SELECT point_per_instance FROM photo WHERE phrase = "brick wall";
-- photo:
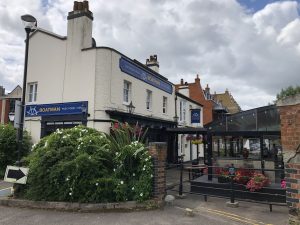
(290, 126)
(158, 151)
(196, 94)
(290, 138)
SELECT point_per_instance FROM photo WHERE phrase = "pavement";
(5, 189)
(212, 212)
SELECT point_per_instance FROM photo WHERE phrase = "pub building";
(71, 81)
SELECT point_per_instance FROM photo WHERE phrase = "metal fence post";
(181, 177)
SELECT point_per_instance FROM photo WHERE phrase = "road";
(171, 215)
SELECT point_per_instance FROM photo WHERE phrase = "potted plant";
(223, 175)
(242, 176)
(257, 182)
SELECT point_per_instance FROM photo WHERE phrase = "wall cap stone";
(290, 100)
(83, 207)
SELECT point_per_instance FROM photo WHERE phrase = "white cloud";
(253, 55)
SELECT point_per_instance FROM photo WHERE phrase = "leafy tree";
(9, 146)
(289, 91)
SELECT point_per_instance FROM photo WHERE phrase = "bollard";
(181, 171)
(232, 191)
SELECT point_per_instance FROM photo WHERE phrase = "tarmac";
(212, 211)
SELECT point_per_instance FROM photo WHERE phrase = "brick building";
(7, 103)
(211, 108)
(228, 101)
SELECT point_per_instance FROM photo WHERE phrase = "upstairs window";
(149, 100)
(32, 92)
(165, 104)
(182, 111)
(127, 92)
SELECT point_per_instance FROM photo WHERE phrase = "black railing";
(230, 183)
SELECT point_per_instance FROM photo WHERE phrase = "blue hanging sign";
(130, 68)
(56, 109)
(195, 116)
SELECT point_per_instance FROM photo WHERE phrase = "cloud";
(253, 55)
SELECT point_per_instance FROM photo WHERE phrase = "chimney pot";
(75, 6)
(80, 6)
(181, 81)
(86, 5)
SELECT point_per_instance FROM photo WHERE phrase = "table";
(194, 168)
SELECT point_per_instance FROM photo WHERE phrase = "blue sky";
(255, 5)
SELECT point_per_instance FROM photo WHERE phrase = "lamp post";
(30, 24)
(130, 109)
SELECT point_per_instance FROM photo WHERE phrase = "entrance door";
(50, 124)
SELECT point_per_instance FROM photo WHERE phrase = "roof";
(187, 98)
(48, 33)
(228, 101)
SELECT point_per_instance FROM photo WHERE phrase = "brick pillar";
(290, 138)
(158, 151)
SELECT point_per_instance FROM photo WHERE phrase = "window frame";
(128, 92)
(32, 92)
(165, 105)
(148, 100)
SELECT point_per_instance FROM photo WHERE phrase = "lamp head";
(29, 22)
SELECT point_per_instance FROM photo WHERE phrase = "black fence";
(264, 186)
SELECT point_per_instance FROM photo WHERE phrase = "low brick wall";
(82, 207)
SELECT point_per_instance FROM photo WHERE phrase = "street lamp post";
(30, 25)
(130, 109)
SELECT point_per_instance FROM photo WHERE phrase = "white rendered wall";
(46, 66)
(109, 90)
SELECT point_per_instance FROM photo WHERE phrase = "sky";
(250, 47)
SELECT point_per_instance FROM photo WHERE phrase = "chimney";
(152, 63)
(207, 89)
(197, 80)
(80, 24)
(2, 91)
(181, 81)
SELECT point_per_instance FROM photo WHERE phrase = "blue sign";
(130, 68)
(195, 115)
(56, 109)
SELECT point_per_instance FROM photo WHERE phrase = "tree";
(289, 91)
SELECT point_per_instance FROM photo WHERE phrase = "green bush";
(289, 91)
(80, 165)
(9, 146)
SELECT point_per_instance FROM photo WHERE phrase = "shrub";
(83, 165)
(9, 146)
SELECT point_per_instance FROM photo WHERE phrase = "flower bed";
(254, 181)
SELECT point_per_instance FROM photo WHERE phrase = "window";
(127, 92)
(165, 104)
(149, 100)
(32, 92)
(182, 111)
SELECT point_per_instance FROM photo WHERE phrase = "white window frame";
(148, 100)
(165, 105)
(182, 111)
(32, 92)
(127, 92)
